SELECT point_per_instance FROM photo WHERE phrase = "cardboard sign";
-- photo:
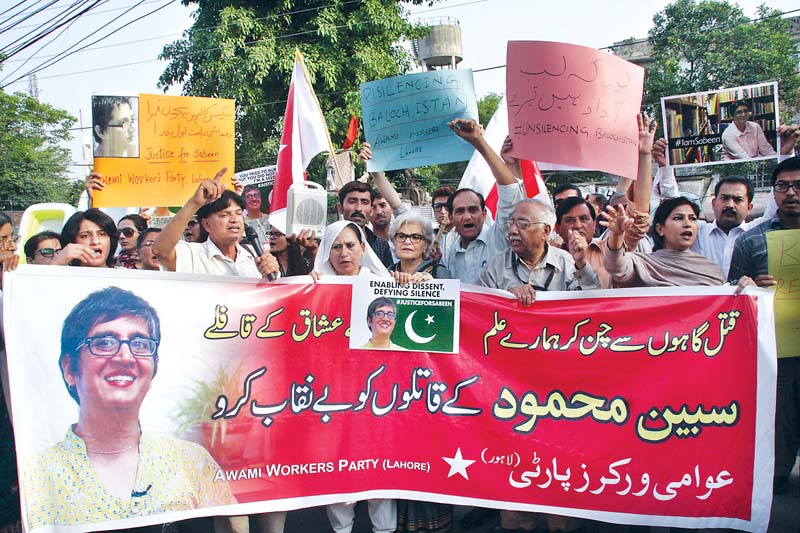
(783, 255)
(179, 141)
(405, 118)
(573, 105)
(263, 177)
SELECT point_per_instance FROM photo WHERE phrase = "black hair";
(100, 307)
(662, 213)
(380, 301)
(751, 192)
(733, 106)
(216, 206)
(145, 233)
(5, 219)
(354, 186)
(139, 222)
(69, 232)
(33, 243)
(102, 109)
(787, 165)
(452, 198)
(566, 187)
(444, 190)
(568, 203)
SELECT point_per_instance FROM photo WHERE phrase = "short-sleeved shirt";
(60, 486)
(750, 251)
(207, 258)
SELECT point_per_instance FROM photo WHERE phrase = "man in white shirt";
(479, 242)
(221, 216)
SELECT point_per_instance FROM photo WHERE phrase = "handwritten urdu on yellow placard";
(783, 249)
(182, 141)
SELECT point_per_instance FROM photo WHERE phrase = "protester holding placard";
(106, 468)
(355, 205)
(751, 259)
(478, 242)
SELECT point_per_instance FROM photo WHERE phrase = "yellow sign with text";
(783, 253)
(174, 143)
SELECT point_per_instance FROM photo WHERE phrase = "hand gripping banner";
(142, 398)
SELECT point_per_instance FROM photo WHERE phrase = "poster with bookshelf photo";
(722, 126)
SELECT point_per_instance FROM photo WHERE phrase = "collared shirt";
(467, 263)
(555, 272)
(207, 258)
(745, 144)
(716, 245)
(750, 251)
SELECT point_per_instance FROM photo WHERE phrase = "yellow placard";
(783, 249)
(182, 140)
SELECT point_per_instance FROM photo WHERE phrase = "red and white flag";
(305, 135)
(478, 176)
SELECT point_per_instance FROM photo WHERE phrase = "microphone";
(141, 493)
(252, 238)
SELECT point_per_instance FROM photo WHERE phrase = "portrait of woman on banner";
(105, 468)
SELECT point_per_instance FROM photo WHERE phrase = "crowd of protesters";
(577, 243)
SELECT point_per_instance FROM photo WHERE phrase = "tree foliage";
(711, 44)
(33, 167)
(244, 49)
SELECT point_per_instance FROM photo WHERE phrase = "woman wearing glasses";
(129, 228)
(413, 241)
(105, 468)
(381, 319)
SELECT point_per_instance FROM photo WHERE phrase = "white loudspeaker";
(306, 208)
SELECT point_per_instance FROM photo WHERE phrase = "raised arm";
(381, 182)
(472, 132)
(643, 186)
(164, 245)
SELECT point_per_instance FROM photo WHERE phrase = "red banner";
(615, 405)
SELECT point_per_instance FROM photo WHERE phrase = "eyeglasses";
(128, 232)
(413, 237)
(522, 223)
(192, 223)
(783, 186)
(439, 205)
(391, 315)
(108, 346)
(47, 252)
(145, 244)
(252, 195)
(127, 123)
(275, 234)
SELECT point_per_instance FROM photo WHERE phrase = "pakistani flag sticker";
(419, 318)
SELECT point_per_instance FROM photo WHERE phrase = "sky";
(127, 60)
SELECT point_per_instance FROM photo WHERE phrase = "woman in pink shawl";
(672, 262)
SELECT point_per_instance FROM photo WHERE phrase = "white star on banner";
(458, 465)
(429, 319)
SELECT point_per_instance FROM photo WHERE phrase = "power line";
(64, 55)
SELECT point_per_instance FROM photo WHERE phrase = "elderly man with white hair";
(531, 264)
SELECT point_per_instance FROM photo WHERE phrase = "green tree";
(711, 44)
(33, 165)
(244, 49)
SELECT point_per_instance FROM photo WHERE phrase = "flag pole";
(299, 57)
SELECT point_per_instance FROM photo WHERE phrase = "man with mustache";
(750, 258)
(355, 205)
